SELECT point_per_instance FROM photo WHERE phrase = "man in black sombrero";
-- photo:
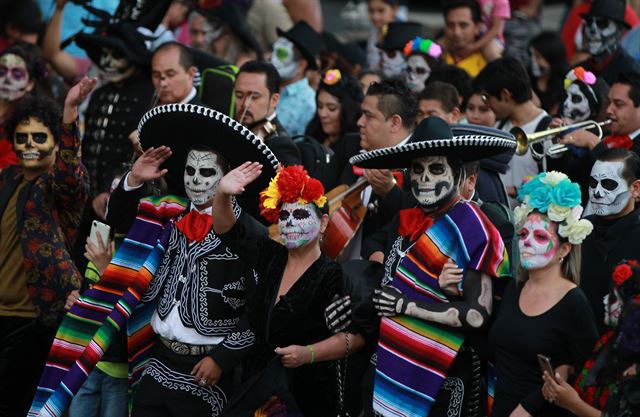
(294, 53)
(424, 354)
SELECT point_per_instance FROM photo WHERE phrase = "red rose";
(621, 274)
(633, 262)
(313, 190)
(270, 215)
(290, 183)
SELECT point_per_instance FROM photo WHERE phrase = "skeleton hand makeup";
(114, 66)
(283, 58)
(612, 307)
(601, 35)
(389, 301)
(538, 242)
(34, 144)
(337, 315)
(393, 67)
(299, 224)
(576, 105)
(608, 191)
(14, 77)
(432, 180)
(417, 72)
(202, 173)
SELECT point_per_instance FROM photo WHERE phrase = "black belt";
(185, 349)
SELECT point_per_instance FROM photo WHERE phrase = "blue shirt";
(297, 106)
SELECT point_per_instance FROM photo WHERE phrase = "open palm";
(234, 182)
(147, 167)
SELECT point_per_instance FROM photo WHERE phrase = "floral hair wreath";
(579, 74)
(426, 46)
(290, 185)
(332, 77)
(554, 194)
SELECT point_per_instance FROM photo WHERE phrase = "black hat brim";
(306, 53)
(182, 126)
(93, 45)
(465, 148)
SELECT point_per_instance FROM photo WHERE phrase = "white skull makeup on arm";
(14, 77)
(392, 66)
(576, 105)
(601, 35)
(433, 180)
(299, 224)
(608, 191)
(34, 144)
(284, 58)
(114, 66)
(417, 72)
(612, 307)
(202, 173)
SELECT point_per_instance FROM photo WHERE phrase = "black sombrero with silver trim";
(433, 137)
(182, 126)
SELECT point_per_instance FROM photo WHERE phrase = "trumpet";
(524, 140)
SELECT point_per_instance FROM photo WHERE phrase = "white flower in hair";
(558, 213)
(575, 230)
(521, 212)
(553, 178)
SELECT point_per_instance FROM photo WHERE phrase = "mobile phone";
(104, 230)
(545, 365)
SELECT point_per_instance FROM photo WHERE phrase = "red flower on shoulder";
(621, 273)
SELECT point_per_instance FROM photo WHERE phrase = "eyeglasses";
(17, 73)
(38, 137)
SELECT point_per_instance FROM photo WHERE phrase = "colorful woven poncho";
(112, 304)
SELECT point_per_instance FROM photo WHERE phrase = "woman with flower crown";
(544, 307)
(294, 349)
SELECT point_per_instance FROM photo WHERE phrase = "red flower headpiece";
(290, 185)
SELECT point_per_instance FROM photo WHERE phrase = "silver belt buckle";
(180, 348)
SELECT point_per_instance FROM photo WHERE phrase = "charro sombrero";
(432, 137)
(182, 126)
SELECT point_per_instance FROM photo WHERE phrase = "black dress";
(296, 319)
(565, 333)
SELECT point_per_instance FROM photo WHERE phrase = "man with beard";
(602, 30)
(41, 202)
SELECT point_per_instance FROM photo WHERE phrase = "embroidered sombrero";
(432, 137)
(181, 126)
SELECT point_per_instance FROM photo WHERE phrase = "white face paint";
(114, 67)
(283, 58)
(537, 241)
(432, 180)
(202, 173)
(576, 106)
(612, 308)
(608, 191)
(417, 73)
(393, 67)
(299, 224)
(14, 77)
(600, 35)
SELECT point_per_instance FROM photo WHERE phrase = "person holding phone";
(544, 306)
(297, 282)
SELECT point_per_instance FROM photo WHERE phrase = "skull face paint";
(417, 72)
(601, 35)
(393, 66)
(34, 144)
(612, 307)
(537, 241)
(114, 66)
(608, 190)
(298, 224)
(202, 173)
(576, 105)
(283, 58)
(14, 77)
(432, 180)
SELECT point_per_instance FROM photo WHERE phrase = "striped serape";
(106, 308)
(413, 356)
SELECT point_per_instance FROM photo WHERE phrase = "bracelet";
(310, 349)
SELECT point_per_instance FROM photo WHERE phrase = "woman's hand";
(450, 277)
(206, 372)
(557, 391)
(234, 182)
(520, 412)
(294, 356)
(99, 255)
(630, 371)
(71, 298)
(76, 95)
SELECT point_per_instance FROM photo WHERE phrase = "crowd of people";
(217, 208)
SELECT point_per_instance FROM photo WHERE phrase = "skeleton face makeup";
(202, 173)
(608, 191)
(538, 242)
(14, 77)
(601, 35)
(393, 66)
(417, 73)
(283, 58)
(612, 308)
(114, 66)
(576, 106)
(299, 224)
(34, 144)
(432, 180)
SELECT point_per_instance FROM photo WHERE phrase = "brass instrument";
(524, 140)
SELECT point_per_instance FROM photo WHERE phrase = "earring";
(561, 259)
